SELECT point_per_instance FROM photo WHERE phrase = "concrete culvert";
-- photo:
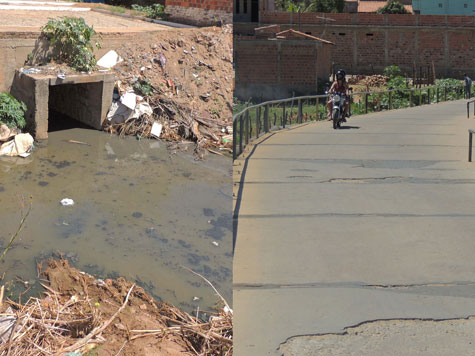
(79, 100)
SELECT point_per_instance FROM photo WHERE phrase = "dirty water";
(141, 212)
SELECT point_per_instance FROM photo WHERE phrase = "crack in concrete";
(347, 329)
(244, 286)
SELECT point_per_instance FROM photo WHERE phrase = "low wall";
(200, 12)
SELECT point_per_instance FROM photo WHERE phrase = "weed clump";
(72, 39)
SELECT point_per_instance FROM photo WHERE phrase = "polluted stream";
(140, 211)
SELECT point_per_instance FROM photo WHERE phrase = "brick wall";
(200, 12)
(366, 43)
(269, 69)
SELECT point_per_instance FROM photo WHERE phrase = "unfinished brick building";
(366, 43)
(200, 12)
(286, 64)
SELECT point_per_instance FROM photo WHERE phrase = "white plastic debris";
(21, 144)
(109, 60)
(67, 202)
(215, 243)
(129, 100)
(6, 133)
(119, 113)
(156, 129)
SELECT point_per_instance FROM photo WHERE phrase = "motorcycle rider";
(340, 86)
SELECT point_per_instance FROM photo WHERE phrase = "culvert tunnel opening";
(76, 105)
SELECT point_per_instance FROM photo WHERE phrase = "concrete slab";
(338, 228)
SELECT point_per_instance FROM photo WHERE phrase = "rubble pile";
(176, 85)
(368, 81)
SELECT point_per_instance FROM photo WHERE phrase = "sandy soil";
(33, 20)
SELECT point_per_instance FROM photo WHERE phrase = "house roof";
(373, 6)
(287, 34)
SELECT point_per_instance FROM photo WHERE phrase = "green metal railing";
(256, 120)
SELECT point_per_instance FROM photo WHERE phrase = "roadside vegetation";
(403, 95)
(333, 6)
(73, 43)
(12, 111)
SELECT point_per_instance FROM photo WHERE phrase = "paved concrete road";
(339, 228)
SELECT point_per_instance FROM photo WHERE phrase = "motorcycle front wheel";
(335, 116)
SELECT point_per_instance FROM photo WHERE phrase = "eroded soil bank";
(84, 315)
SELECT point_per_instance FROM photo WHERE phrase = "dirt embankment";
(81, 314)
(191, 76)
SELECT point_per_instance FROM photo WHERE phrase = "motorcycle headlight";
(336, 98)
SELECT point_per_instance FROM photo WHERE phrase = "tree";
(326, 6)
(393, 7)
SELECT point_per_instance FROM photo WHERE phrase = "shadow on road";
(349, 127)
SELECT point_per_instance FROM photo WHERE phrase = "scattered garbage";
(30, 70)
(190, 97)
(215, 243)
(7, 322)
(21, 145)
(67, 202)
(62, 74)
(129, 100)
(109, 60)
(156, 129)
(6, 132)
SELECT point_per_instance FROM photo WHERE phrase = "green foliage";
(12, 111)
(396, 82)
(392, 71)
(447, 82)
(393, 7)
(154, 11)
(144, 87)
(326, 6)
(72, 39)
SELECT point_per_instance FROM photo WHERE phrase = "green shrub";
(392, 71)
(72, 39)
(144, 87)
(448, 82)
(12, 111)
(154, 11)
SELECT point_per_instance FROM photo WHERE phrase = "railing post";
(241, 128)
(410, 98)
(468, 110)
(437, 94)
(234, 139)
(470, 146)
(445, 93)
(258, 121)
(366, 103)
(390, 100)
(246, 124)
(420, 97)
(428, 96)
(266, 118)
(283, 116)
(299, 114)
(316, 109)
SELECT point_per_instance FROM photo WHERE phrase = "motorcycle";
(338, 109)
